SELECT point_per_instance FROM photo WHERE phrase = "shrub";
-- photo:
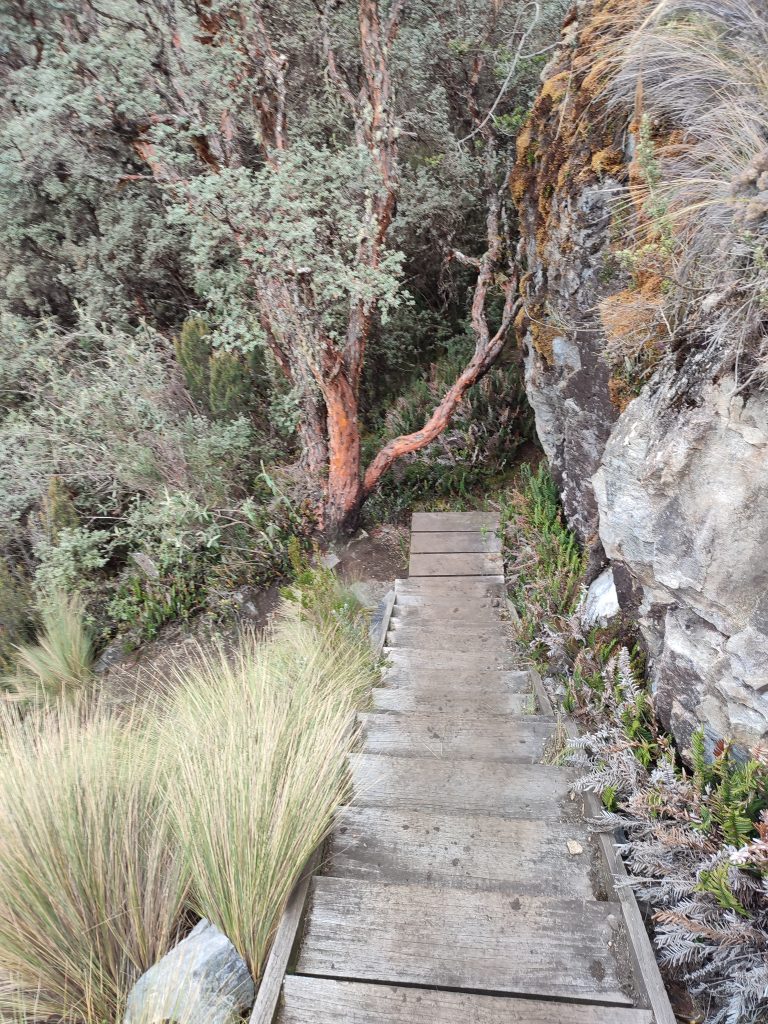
(59, 664)
(105, 465)
(91, 891)
(222, 383)
(544, 562)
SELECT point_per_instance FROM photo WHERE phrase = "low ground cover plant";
(120, 826)
(695, 831)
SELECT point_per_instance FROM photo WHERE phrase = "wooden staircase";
(462, 885)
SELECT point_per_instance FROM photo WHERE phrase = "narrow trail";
(462, 886)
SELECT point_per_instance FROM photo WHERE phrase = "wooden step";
(436, 543)
(433, 657)
(445, 587)
(493, 701)
(490, 626)
(444, 734)
(440, 522)
(329, 1001)
(462, 851)
(456, 641)
(448, 615)
(531, 791)
(458, 680)
(478, 564)
(451, 938)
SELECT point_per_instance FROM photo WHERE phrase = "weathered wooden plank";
(446, 615)
(494, 701)
(441, 522)
(482, 941)
(380, 622)
(477, 564)
(328, 1001)
(643, 958)
(424, 657)
(445, 734)
(462, 851)
(431, 543)
(515, 790)
(459, 680)
(442, 587)
(450, 641)
(490, 626)
(282, 945)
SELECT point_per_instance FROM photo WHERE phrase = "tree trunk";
(312, 431)
(345, 492)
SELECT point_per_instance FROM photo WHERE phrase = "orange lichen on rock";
(608, 161)
(556, 88)
(620, 392)
(542, 338)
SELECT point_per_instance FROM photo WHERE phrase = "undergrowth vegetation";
(696, 831)
(477, 449)
(115, 486)
(119, 826)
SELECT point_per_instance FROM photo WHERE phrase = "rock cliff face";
(668, 479)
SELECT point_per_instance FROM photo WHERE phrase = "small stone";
(203, 980)
(574, 848)
(329, 560)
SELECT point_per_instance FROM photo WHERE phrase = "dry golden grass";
(91, 893)
(118, 827)
(258, 756)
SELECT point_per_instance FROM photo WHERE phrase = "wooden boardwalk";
(462, 886)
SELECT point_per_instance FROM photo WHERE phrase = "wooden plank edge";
(540, 692)
(380, 624)
(282, 946)
(644, 960)
(279, 957)
(646, 968)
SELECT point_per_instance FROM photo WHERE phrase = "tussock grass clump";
(258, 749)
(695, 75)
(60, 663)
(119, 827)
(91, 893)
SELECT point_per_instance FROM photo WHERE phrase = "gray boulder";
(683, 499)
(203, 980)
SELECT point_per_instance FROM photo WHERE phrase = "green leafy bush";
(225, 384)
(113, 486)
